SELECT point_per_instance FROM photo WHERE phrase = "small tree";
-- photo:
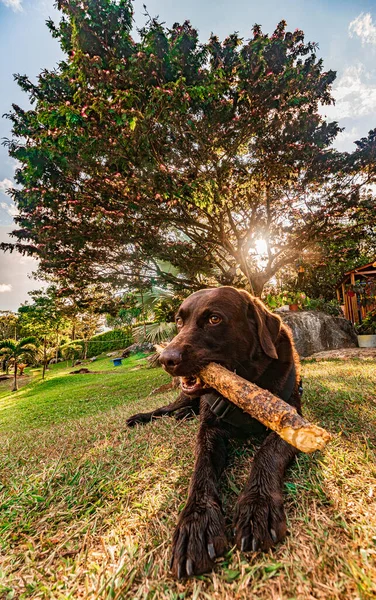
(45, 320)
(71, 352)
(86, 327)
(9, 327)
(21, 351)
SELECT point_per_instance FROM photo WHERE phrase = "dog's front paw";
(184, 414)
(259, 522)
(139, 418)
(198, 539)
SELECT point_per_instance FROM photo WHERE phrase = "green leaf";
(231, 575)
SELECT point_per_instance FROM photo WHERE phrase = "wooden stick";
(266, 408)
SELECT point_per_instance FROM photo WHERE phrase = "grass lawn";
(88, 507)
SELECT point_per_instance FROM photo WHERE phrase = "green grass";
(88, 507)
(61, 397)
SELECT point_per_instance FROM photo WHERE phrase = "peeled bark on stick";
(266, 408)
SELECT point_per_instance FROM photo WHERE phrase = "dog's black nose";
(171, 357)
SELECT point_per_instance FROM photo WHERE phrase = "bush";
(115, 339)
(274, 301)
(330, 307)
(368, 325)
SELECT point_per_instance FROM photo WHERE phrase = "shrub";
(274, 301)
(115, 339)
(368, 325)
(330, 307)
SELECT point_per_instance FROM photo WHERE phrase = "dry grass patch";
(88, 507)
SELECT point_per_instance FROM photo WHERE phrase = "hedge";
(115, 339)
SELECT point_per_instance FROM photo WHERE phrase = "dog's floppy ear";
(268, 325)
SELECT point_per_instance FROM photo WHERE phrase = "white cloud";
(354, 93)
(345, 139)
(5, 184)
(9, 208)
(5, 287)
(15, 5)
(364, 28)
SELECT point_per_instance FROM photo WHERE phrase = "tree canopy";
(139, 154)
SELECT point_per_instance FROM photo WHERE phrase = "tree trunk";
(143, 313)
(15, 386)
(44, 358)
(258, 285)
(57, 346)
(86, 344)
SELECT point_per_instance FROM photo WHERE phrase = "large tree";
(168, 149)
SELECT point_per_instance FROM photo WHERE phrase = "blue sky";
(344, 29)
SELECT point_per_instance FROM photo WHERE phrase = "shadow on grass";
(351, 413)
(133, 484)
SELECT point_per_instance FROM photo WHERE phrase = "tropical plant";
(155, 332)
(274, 300)
(368, 325)
(18, 351)
(166, 309)
(330, 307)
(295, 297)
(283, 298)
(71, 351)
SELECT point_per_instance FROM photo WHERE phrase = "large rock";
(315, 331)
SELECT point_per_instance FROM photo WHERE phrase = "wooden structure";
(357, 292)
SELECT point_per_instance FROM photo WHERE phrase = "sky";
(344, 29)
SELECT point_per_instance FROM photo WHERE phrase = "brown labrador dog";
(232, 328)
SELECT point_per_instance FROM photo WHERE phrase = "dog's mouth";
(192, 384)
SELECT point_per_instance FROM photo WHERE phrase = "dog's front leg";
(260, 520)
(200, 533)
(184, 407)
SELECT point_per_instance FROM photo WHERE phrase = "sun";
(261, 247)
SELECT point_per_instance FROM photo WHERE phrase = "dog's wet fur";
(232, 328)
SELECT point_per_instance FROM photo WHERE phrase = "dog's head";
(221, 325)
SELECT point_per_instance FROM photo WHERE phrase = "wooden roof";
(360, 269)
(368, 269)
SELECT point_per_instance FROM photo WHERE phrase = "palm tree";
(18, 352)
(155, 332)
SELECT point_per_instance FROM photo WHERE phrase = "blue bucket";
(117, 362)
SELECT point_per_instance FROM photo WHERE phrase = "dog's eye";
(215, 319)
(179, 322)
